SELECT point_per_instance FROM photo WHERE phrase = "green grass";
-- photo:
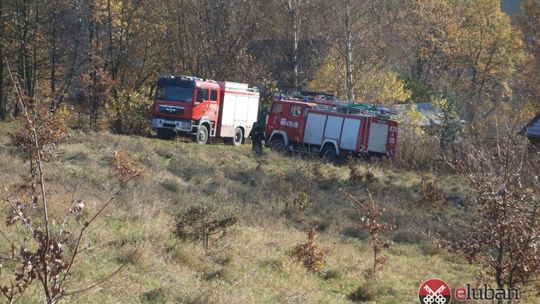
(252, 263)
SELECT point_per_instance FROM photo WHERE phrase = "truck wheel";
(202, 135)
(277, 145)
(329, 154)
(238, 137)
(165, 133)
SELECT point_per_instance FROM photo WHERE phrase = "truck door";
(204, 105)
(274, 117)
(294, 122)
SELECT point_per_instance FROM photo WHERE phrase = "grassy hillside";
(252, 262)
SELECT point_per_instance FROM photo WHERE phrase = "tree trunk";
(23, 20)
(296, 17)
(53, 56)
(2, 105)
(296, 29)
(33, 73)
(346, 9)
(109, 30)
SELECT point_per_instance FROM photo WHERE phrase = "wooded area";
(88, 53)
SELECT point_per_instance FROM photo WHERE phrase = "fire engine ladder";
(359, 109)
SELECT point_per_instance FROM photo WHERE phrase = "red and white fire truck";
(329, 129)
(203, 109)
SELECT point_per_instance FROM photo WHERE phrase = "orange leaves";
(310, 254)
(125, 167)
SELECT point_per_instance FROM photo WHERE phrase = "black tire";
(166, 134)
(238, 138)
(329, 153)
(278, 145)
(202, 135)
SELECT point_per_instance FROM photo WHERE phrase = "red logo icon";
(434, 291)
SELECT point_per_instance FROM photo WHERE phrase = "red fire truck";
(203, 109)
(329, 129)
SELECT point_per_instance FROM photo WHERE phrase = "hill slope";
(252, 263)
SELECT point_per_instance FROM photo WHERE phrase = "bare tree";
(42, 253)
(295, 12)
(505, 236)
(346, 16)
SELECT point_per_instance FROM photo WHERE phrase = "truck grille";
(171, 110)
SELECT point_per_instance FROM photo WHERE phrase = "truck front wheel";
(277, 145)
(238, 137)
(202, 135)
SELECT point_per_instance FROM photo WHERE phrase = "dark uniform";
(257, 135)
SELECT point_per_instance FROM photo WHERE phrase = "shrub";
(309, 254)
(202, 221)
(370, 220)
(356, 174)
(171, 185)
(364, 293)
(332, 274)
(128, 113)
(431, 191)
(300, 203)
(156, 295)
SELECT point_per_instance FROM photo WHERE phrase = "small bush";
(355, 174)
(171, 185)
(300, 203)
(429, 248)
(432, 193)
(370, 177)
(211, 274)
(364, 293)
(202, 221)
(156, 295)
(358, 175)
(331, 274)
(309, 254)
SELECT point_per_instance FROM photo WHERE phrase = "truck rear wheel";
(329, 153)
(238, 137)
(202, 135)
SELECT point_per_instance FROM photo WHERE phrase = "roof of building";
(532, 129)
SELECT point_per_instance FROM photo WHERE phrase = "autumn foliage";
(309, 253)
(43, 253)
(504, 237)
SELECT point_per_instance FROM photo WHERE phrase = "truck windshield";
(175, 90)
(174, 93)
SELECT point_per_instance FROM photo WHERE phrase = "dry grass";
(252, 262)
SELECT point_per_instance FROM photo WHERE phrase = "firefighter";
(257, 135)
